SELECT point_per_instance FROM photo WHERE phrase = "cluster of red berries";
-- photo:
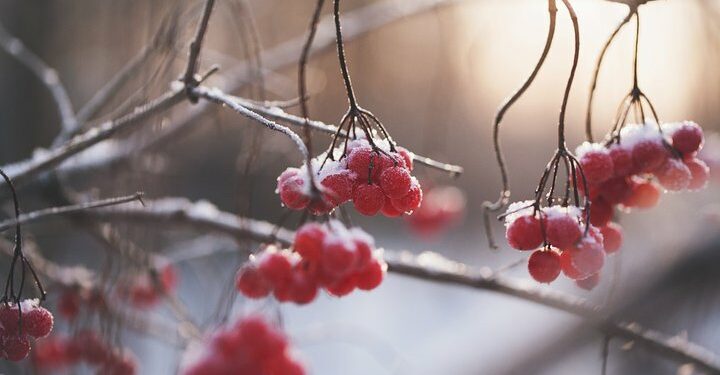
(375, 180)
(145, 290)
(441, 206)
(328, 256)
(250, 346)
(60, 352)
(20, 326)
(562, 242)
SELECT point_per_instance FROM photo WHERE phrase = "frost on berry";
(544, 266)
(410, 201)
(250, 282)
(395, 182)
(616, 190)
(590, 282)
(368, 199)
(37, 322)
(642, 195)
(562, 228)
(648, 155)
(524, 233)
(687, 137)
(568, 269)
(309, 241)
(588, 256)
(16, 347)
(612, 237)
(601, 212)
(700, 173)
(622, 161)
(674, 175)
(338, 187)
(596, 162)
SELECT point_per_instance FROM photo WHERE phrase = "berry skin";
(643, 195)
(339, 187)
(544, 266)
(674, 175)
(343, 287)
(37, 322)
(339, 258)
(360, 160)
(597, 166)
(389, 209)
(590, 282)
(622, 161)
(371, 276)
(612, 237)
(616, 190)
(9, 318)
(648, 155)
(292, 193)
(251, 283)
(687, 138)
(368, 199)
(407, 157)
(562, 231)
(700, 173)
(525, 233)
(16, 347)
(395, 182)
(567, 267)
(411, 201)
(588, 257)
(601, 212)
(303, 288)
(364, 251)
(275, 268)
(309, 241)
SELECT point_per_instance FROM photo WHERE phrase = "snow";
(587, 147)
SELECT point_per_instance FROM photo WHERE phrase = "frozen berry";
(339, 187)
(562, 230)
(343, 286)
(395, 182)
(612, 237)
(411, 201)
(601, 212)
(389, 209)
(588, 257)
(339, 257)
(525, 233)
(648, 155)
(371, 276)
(368, 199)
(674, 175)
(303, 288)
(615, 190)
(590, 282)
(597, 166)
(16, 347)
(37, 322)
(309, 241)
(687, 138)
(275, 267)
(407, 157)
(544, 266)
(700, 173)
(361, 160)
(251, 283)
(568, 268)
(292, 193)
(642, 195)
(622, 161)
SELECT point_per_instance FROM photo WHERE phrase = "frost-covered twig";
(428, 266)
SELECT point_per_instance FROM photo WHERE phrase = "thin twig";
(195, 47)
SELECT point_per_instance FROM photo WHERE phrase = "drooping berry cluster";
(57, 353)
(19, 325)
(250, 346)
(561, 240)
(441, 206)
(145, 290)
(375, 180)
(328, 256)
(630, 171)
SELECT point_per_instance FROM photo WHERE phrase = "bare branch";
(428, 267)
(195, 47)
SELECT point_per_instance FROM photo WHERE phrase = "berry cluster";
(562, 242)
(441, 206)
(59, 352)
(630, 171)
(250, 346)
(144, 291)
(19, 326)
(375, 180)
(328, 256)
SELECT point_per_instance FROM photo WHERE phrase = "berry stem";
(568, 87)
(342, 59)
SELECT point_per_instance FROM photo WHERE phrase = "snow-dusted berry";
(596, 162)
(309, 241)
(544, 266)
(674, 175)
(252, 283)
(339, 187)
(590, 282)
(700, 173)
(525, 233)
(368, 199)
(395, 182)
(687, 138)
(648, 155)
(562, 230)
(37, 322)
(588, 257)
(612, 237)
(622, 161)
(412, 200)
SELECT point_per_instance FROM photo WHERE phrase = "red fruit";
(364, 251)
(9, 318)
(339, 258)
(562, 231)
(588, 257)
(361, 160)
(389, 209)
(16, 347)
(371, 276)
(395, 182)
(251, 283)
(283, 365)
(339, 187)
(69, 304)
(687, 138)
(700, 173)
(303, 288)
(266, 340)
(411, 201)
(287, 174)
(407, 157)
(292, 193)
(320, 206)
(343, 286)
(597, 166)
(643, 195)
(309, 241)
(601, 212)
(567, 267)
(674, 175)
(589, 283)
(525, 233)
(648, 155)
(615, 190)
(622, 161)
(368, 199)
(275, 268)
(612, 237)
(544, 266)
(37, 322)
(50, 354)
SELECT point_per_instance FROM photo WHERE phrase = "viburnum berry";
(612, 237)
(588, 256)
(309, 241)
(412, 200)
(293, 192)
(562, 230)
(371, 276)
(615, 190)
(51, 354)
(343, 287)
(674, 175)
(525, 233)
(544, 266)
(361, 160)
(601, 212)
(368, 199)
(339, 187)
(275, 267)
(622, 161)
(596, 162)
(339, 257)
(687, 138)
(395, 182)
(700, 173)
(389, 209)
(590, 282)
(9, 318)
(252, 283)
(16, 347)
(303, 288)
(407, 157)
(648, 155)
(37, 322)
(568, 269)
(642, 195)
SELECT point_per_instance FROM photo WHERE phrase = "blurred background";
(435, 79)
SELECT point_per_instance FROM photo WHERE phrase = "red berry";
(544, 266)
(700, 173)
(407, 157)
(275, 267)
(687, 138)
(601, 212)
(368, 199)
(562, 230)
(288, 174)
(395, 182)
(9, 318)
(622, 161)
(371, 276)
(283, 365)
(251, 283)
(612, 237)
(50, 354)
(303, 288)
(364, 249)
(69, 304)
(642, 195)
(525, 233)
(389, 209)
(411, 201)
(567, 267)
(615, 190)
(597, 166)
(339, 258)
(37, 322)
(360, 161)
(648, 155)
(309, 241)
(674, 175)
(339, 187)
(292, 193)
(343, 287)
(588, 257)
(16, 347)
(590, 282)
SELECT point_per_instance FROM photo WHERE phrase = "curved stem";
(568, 87)
(637, 46)
(341, 57)
(596, 73)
